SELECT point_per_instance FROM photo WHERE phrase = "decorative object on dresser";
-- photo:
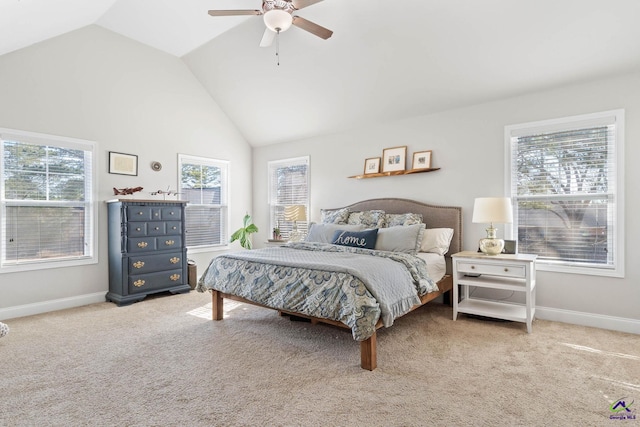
(123, 164)
(394, 159)
(147, 252)
(490, 210)
(295, 213)
(126, 191)
(516, 273)
(421, 160)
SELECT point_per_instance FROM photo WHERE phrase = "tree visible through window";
(47, 200)
(203, 184)
(565, 187)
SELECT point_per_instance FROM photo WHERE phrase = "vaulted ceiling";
(385, 61)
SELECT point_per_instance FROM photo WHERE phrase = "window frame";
(613, 117)
(273, 222)
(89, 204)
(224, 165)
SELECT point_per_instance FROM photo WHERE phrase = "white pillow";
(323, 233)
(436, 240)
(400, 238)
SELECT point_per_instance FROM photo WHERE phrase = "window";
(288, 185)
(46, 200)
(203, 184)
(566, 182)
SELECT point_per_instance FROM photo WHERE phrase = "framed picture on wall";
(421, 160)
(123, 164)
(372, 165)
(394, 159)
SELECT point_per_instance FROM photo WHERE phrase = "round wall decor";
(156, 166)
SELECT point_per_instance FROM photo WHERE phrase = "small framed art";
(421, 160)
(394, 159)
(123, 164)
(372, 165)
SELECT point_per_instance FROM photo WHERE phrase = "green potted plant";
(243, 234)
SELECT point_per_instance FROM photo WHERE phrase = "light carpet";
(163, 362)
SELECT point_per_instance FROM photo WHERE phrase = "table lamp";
(295, 213)
(490, 210)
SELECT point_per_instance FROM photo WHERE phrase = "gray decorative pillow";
(405, 239)
(339, 216)
(323, 233)
(369, 219)
(393, 220)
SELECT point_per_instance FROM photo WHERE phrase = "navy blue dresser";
(147, 252)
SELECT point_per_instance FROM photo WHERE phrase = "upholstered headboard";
(433, 216)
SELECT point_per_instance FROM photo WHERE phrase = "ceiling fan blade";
(234, 12)
(312, 27)
(267, 38)
(299, 4)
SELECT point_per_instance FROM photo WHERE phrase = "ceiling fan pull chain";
(278, 46)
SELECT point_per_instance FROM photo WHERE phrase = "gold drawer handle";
(174, 277)
(140, 213)
(138, 283)
(171, 213)
(156, 214)
(138, 264)
(157, 228)
(138, 229)
(174, 260)
(143, 244)
(174, 228)
(169, 242)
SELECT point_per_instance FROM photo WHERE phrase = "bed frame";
(433, 216)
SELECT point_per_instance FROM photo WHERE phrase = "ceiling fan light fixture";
(278, 20)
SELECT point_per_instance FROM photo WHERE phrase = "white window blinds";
(288, 185)
(203, 184)
(46, 199)
(565, 185)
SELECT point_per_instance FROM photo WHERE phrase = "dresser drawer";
(143, 283)
(169, 242)
(174, 227)
(149, 263)
(497, 269)
(171, 213)
(141, 244)
(139, 213)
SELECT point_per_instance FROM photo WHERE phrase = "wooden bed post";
(368, 356)
(216, 306)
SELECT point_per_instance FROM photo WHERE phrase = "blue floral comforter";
(351, 285)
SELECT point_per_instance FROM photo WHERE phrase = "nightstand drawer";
(493, 269)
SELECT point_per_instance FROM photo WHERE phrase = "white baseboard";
(621, 324)
(53, 305)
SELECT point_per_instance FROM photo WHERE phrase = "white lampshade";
(277, 20)
(295, 213)
(492, 210)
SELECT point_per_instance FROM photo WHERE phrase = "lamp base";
(490, 245)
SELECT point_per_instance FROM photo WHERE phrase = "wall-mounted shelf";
(405, 172)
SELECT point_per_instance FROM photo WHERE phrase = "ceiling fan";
(278, 16)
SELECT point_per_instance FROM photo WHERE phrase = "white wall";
(96, 85)
(468, 146)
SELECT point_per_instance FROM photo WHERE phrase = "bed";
(347, 284)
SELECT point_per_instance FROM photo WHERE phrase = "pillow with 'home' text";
(365, 239)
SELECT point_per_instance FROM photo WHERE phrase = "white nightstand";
(511, 272)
